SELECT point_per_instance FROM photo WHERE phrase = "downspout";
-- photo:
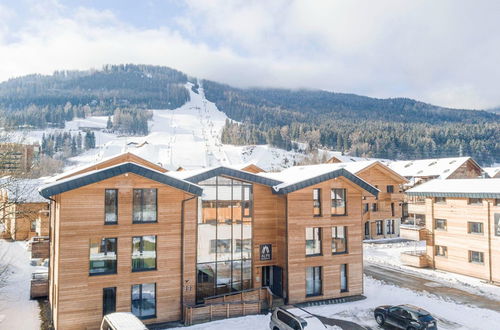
(433, 224)
(489, 241)
(51, 251)
(182, 253)
(286, 250)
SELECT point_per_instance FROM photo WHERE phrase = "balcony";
(412, 232)
(416, 259)
(39, 285)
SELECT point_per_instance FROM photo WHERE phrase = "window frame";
(346, 244)
(445, 224)
(320, 239)
(141, 244)
(469, 229)
(346, 274)
(390, 189)
(441, 248)
(439, 200)
(374, 207)
(116, 257)
(134, 221)
(320, 293)
(103, 300)
(318, 201)
(475, 201)
(390, 227)
(479, 254)
(379, 224)
(132, 299)
(344, 192)
(107, 223)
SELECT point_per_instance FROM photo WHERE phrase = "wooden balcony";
(414, 233)
(39, 285)
(415, 259)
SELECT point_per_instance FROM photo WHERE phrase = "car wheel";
(380, 319)
(276, 328)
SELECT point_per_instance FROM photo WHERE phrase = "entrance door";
(272, 277)
(367, 230)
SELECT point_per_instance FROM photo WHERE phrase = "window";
(440, 224)
(390, 227)
(317, 202)
(393, 211)
(33, 225)
(220, 246)
(343, 278)
(475, 201)
(497, 224)
(390, 189)
(476, 257)
(338, 197)
(144, 300)
(475, 227)
(111, 206)
(497, 201)
(313, 281)
(108, 300)
(380, 229)
(143, 253)
(366, 207)
(441, 251)
(374, 207)
(339, 239)
(313, 241)
(288, 320)
(440, 200)
(145, 203)
(102, 256)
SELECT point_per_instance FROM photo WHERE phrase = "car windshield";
(426, 318)
(304, 324)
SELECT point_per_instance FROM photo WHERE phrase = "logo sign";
(497, 224)
(266, 252)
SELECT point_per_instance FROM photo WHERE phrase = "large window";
(338, 197)
(475, 201)
(145, 205)
(224, 237)
(343, 278)
(390, 226)
(440, 224)
(441, 251)
(476, 257)
(475, 228)
(144, 300)
(380, 229)
(339, 239)
(143, 253)
(111, 206)
(102, 256)
(313, 241)
(313, 281)
(108, 300)
(317, 202)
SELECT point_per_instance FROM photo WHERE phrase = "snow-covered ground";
(449, 314)
(17, 311)
(387, 254)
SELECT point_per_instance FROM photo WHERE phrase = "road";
(414, 282)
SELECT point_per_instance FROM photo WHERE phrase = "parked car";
(406, 317)
(122, 321)
(293, 318)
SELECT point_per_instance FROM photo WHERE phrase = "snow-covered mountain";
(188, 137)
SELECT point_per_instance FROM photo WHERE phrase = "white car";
(292, 318)
(122, 321)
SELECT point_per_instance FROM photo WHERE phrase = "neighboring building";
(462, 226)
(16, 158)
(339, 158)
(23, 212)
(130, 238)
(493, 172)
(422, 170)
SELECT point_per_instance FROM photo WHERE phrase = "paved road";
(414, 282)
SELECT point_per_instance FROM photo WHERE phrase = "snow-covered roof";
(475, 188)
(492, 171)
(22, 190)
(351, 159)
(125, 321)
(440, 168)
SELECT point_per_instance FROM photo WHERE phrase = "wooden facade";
(278, 220)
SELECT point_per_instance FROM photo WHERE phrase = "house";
(493, 172)
(23, 212)
(127, 237)
(17, 158)
(462, 226)
(340, 158)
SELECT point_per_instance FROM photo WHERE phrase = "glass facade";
(102, 256)
(224, 255)
(144, 300)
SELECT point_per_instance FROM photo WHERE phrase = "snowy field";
(17, 311)
(387, 255)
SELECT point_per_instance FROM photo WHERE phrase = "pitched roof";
(475, 188)
(350, 159)
(440, 168)
(493, 172)
(203, 174)
(87, 178)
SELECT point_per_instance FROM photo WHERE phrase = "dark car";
(406, 317)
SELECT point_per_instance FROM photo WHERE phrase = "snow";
(449, 314)
(15, 303)
(459, 186)
(492, 171)
(437, 167)
(388, 255)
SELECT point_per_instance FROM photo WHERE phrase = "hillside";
(359, 125)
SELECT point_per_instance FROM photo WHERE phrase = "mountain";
(397, 128)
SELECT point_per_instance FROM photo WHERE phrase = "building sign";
(266, 252)
(497, 224)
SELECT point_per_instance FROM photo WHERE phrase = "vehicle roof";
(415, 309)
(125, 321)
(313, 322)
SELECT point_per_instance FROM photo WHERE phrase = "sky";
(443, 52)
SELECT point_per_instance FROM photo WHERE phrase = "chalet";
(493, 172)
(23, 212)
(462, 227)
(164, 245)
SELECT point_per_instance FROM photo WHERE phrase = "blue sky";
(444, 52)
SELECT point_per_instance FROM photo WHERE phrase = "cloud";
(442, 52)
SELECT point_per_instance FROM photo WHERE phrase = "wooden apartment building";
(126, 236)
(462, 227)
